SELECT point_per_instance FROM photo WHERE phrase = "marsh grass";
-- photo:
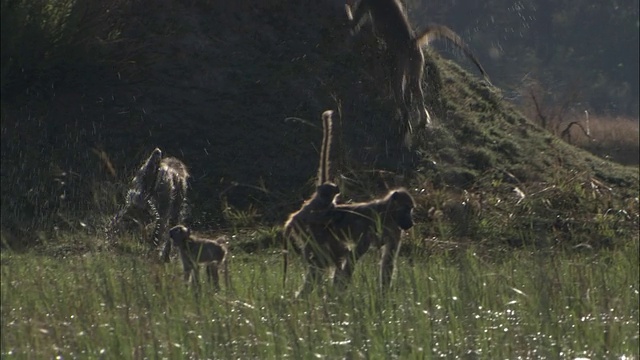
(612, 137)
(616, 138)
(467, 303)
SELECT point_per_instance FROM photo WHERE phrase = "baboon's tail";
(323, 168)
(434, 31)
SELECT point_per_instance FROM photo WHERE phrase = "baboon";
(159, 188)
(194, 251)
(391, 23)
(302, 226)
(378, 222)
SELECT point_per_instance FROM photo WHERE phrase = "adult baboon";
(302, 226)
(160, 188)
(391, 23)
(194, 251)
(378, 222)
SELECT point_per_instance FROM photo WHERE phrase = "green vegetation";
(470, 302)
(524, 245)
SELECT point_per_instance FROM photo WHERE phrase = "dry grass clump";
(616, 138)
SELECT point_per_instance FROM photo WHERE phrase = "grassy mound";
(236, 91)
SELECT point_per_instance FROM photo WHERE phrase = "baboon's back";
(205, 250)
(171, 185)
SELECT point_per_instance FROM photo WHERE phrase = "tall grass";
(469, 303)
(616, 138)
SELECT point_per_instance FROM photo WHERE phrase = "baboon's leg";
(416, 72)
(174, 219)
(187, 267)
(163, 237)
(227, 278)
(387, 262)
(212, 275)
(311, 280)
(400, 81)
(165, 200)
(166, 250)
(344, 271)
(183, 209)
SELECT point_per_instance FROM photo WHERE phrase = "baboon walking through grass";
(305, 226)
(159, 187)
(352, 229)
(194, 251)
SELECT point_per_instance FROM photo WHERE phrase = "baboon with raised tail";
(194, 251)
(159, 187)
(390, 21)
(379, 222)
(305, 227)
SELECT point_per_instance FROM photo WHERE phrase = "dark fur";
(304, 226)
(379, 223)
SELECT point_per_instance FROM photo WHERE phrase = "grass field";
(225, 87)
(469, 303)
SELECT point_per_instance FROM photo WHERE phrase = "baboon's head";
(327, 192)
(401, 206)
(152, 163)
(144, 180)
(179, 234)
(156, 154)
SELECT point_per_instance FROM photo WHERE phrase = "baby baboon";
(304, 224)
(391, 22)
(194, 251)
(160, 188)
(379, 222)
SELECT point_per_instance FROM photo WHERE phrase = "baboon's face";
(402, 205)
(179, 234)
(404, 218)
(156, 154)
(153, 161)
